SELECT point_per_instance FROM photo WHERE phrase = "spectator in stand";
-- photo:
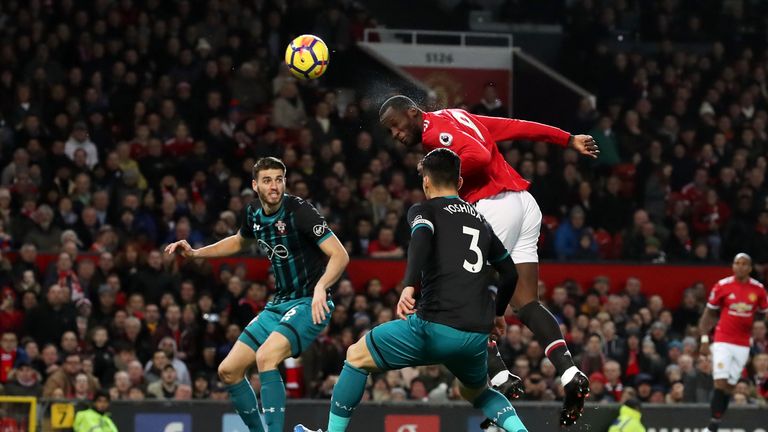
(569, 236)
(24, 380)
(47, 322)
(64, 379)
(490, 104)
(384, 246)
(79, 140)
(166, 387)
(288, 111)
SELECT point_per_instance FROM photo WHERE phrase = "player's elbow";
(341, 256)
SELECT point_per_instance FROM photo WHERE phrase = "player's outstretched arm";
(225, 247)
(337, 262)
(504, 129)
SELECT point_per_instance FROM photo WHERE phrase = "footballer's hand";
(586, 145)
(407, 303)
(320, 308)
(183, 247)
(499, 328)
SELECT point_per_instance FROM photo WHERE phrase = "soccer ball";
(307, 57)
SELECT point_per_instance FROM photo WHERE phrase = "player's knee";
(724, 386)
(228, 374)
(356, 354)
(266, 359)
(470, 394)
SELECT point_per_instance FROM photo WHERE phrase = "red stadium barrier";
(668, 281)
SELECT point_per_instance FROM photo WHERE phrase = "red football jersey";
(473, 137)
(738, 303)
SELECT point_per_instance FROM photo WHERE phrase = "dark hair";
(442, 166)
(266, 163)
(397, 103)
(101, 393)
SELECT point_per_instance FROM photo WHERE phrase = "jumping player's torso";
(456, 129)
(738, 303)
(290, 239)
(454, 287)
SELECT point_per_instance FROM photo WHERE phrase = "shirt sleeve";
(420, 217)
(420, 247)
(504, 129)
(715, 297)
(246, 227)
(311, 223)
(762, 305)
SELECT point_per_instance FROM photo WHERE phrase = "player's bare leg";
(232, 372)
(547, 332)
(719, 403)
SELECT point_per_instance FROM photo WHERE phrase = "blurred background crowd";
(128, 124)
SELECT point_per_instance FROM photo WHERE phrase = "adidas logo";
(732, 296)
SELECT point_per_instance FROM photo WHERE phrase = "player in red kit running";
(501, 196)
(738, 300)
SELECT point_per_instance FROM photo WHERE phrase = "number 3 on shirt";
(477, 265)
(461, 118)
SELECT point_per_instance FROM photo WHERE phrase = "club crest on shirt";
(446, 139)
(319, 229)
(753, 297)
(280, 225)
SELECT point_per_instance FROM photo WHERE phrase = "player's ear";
(460, 183)
(254, 185)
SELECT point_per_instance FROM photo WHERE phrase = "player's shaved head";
(742, 255)
(443, 167)
(403, 118)
(398, 103)
(742, 266)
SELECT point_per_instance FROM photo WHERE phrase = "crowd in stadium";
(126, 125)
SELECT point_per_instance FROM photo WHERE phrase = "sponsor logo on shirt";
(319, 230)
(279, 250)
(446, 139)
(740, 309)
